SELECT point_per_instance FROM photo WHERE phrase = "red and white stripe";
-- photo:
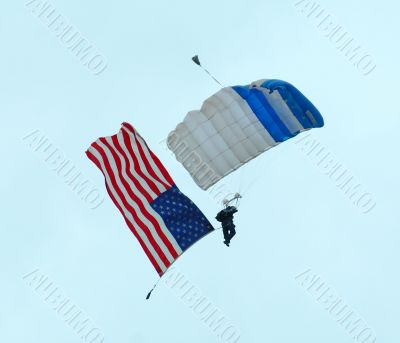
(134, 177)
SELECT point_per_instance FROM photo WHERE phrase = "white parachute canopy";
(236, 125)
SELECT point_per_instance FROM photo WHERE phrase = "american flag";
(164, 221)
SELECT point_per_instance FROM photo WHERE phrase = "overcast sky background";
(292, 217)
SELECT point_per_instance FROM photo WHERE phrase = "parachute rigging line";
(196, 60)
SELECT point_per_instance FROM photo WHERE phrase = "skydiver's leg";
(232, 232)
(225, 230)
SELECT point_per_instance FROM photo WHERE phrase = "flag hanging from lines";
(164, 221)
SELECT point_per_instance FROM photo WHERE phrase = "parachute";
(237, 124)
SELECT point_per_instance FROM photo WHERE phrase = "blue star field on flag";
(182, 217)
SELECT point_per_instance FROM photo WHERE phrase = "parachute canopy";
(237, 124)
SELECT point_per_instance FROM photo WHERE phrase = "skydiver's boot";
(226, 243)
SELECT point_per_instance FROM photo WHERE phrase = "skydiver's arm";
(231, 209)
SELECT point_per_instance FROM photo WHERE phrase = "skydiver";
(226, 218)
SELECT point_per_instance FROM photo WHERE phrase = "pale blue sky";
(291, 219)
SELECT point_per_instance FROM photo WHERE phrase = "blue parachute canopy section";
(279, 127)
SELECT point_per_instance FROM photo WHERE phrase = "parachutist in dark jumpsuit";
(226, 218)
